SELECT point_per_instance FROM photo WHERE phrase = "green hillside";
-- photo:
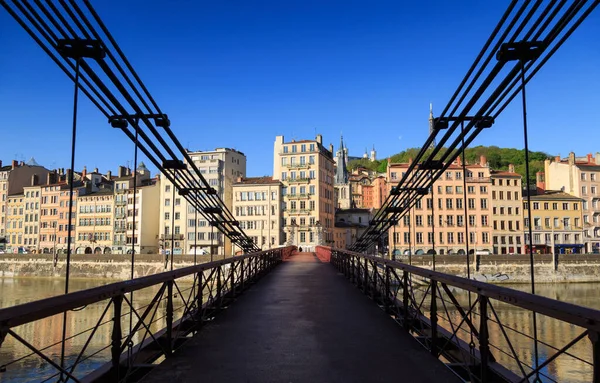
(498, 158)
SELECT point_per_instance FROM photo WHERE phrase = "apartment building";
(145, 220)
(32, 212)
(507, 212)
(178, 227)
(579, 177)
(418, 229)
(94, 228)
(257, 208)
(50, 195)
(13, 178)
(374, 193)
(557, 223)
(15, 222)
(306, 170)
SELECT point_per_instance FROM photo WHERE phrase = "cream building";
(257, 208)
(31, 215)
(94, 227)
(507, 212)
(306, 170)
(580, 177)
(13, 178)
(417, 228)
(557, 223)
(146, 218)
(15, 222)
(178, 227)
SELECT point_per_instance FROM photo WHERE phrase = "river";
(49, 331)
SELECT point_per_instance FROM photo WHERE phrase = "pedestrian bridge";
(285, 316)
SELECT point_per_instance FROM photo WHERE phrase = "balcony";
(296, 211)
(298, 196)
(120, 203)
(120, 215)
(297, 166)
(119, 243)
(478, 179)
(120, 229)
(298, 180)
(171, 237)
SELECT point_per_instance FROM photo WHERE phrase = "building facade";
(445, 228)
(15, 222)
(32, 211)
(142, 227)
(557, 223)
(94, 228)
(306, 168)
(257, 207)
(178, 226)
(507, 212)
(580, 177)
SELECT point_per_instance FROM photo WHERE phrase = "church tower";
(373, 154)
(342, 184)
(431, 124)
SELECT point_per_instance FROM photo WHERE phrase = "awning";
(568, 246)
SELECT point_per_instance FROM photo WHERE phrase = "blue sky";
(237, 73)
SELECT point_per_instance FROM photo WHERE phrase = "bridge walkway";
(304, 322)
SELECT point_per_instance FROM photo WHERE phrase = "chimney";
(108, 175)
(511, 168)
(84, 172)
(239, 179)
(410, 161)
(331, 148)
(597, 162)
(458, 161)
(482, 160)
(121, 172)
(571, 158)
(540, 182)
(590, 159)
(557, 159)
(320, 139)
(34, 179)
(49, 178)
(95, 170)
(15, 164)
(68, 176)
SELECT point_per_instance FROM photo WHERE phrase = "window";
(471, 189)
(483, 190)
(472, 220)
(450, 237)
(584, 190)
(583, 176)
(285, 149)
(419, 220)
(419, 237)
(484, 220)
(167, 202)
(484, 204)
(592, 190)
(471, 203)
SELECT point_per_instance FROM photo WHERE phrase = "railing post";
(232, 279)
(169, 317)
(218, 298)
(387, 298)
(595, 339)
(405, 301)
(116, 334)
(242, 283)
(484, 346)
(366, 278)
(353, 268)
(433, 318)
(199, 297)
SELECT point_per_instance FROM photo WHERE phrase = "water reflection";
(518, 326)
(47, 333)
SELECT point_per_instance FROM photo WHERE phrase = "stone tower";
(342, 185)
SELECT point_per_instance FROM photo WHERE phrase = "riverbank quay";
(498, 269)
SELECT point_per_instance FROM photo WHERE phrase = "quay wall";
(492, 268)
(516, 268)
(109, 266)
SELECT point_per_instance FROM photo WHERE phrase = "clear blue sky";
(237, 73)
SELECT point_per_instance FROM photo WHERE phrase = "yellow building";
(147, 215)
(557, 223)
(580, 177)
(257, 208)
(306, 170)
(31, 215)
(417, 229)
(94, 229)
(15, 205)
(507, 212)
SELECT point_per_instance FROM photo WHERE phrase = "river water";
(48, 332)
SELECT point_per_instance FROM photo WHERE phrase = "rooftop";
(553, 195)
(266, 180)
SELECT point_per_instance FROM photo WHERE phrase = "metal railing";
(474, 336)
(136, 335)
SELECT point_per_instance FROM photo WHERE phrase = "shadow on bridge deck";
(304, 322)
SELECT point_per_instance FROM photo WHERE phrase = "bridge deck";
(302, 323)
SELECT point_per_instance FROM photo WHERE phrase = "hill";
(498, 158)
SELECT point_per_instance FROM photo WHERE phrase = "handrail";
(566, 312)
(31, 311)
